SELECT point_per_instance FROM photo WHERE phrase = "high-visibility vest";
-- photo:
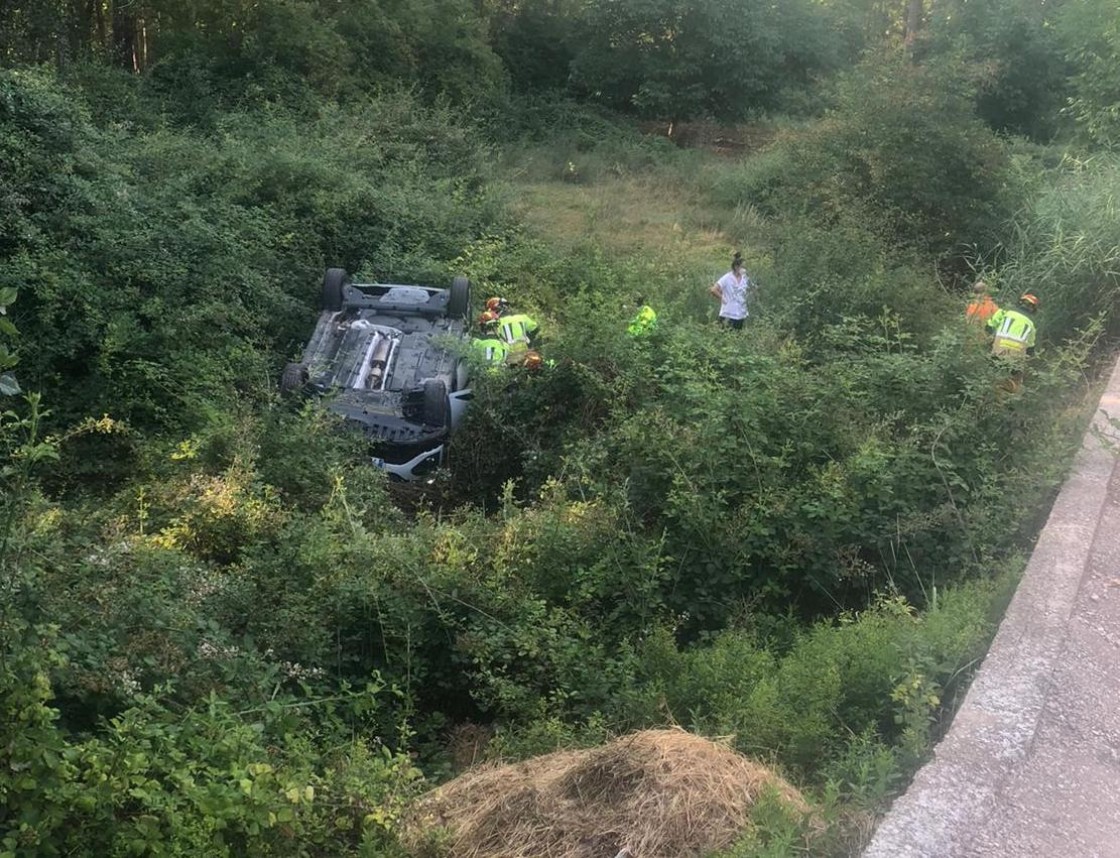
(981, 310)
(644, 322)
(492, 350)
(517, 328)
(1014, 332)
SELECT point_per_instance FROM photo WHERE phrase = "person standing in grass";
(731, 292)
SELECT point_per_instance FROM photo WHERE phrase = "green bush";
(1090, 34)
(800, 707)
(168, 259)
(902, 152)
(1018, 64)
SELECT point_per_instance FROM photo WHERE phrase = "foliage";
(704, 58)
(206, 780)
(200, 56)
(171, 260)
(219, 634)
(805, 706)
(536, 42)
(1065, 247)
(1017, 61)
(902, 153)
(1090, 33)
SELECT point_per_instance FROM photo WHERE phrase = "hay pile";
(659, 794)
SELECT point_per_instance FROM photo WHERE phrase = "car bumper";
(421, 467)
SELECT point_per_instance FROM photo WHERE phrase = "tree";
(720, 58)
(1090, 32)
(536, 41)
(1017, 64)
(914, 10)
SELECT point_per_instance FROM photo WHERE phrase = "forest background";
(223, 633)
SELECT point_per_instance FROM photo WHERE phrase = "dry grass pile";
(658, 793)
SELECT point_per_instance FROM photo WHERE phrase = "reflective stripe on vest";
(1013, 331)
(494, 351)
(518, 327)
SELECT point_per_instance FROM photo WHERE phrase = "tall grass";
(1066, 248)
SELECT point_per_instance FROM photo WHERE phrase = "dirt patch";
(731, 140)
(657, 794)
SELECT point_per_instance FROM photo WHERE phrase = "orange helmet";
(488, 321)
(1029, 301)
(496, 305)
(532, 360)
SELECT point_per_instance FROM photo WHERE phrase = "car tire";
(437, 410)
(334, 285)
(459, 303)
(294, 378)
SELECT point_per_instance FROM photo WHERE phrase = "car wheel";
(334, 283)
(294, 378)
(437, 410)
(459, 304)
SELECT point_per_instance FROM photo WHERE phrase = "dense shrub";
(1090, 34)
(168, 259)
(902, 152)
(210, 779)
(834, 682)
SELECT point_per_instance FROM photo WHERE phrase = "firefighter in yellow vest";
(1013, 331)
(492, 348)
(519, 332)
(1013, 338)
(644, 321)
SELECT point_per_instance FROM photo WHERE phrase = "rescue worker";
(1014, 331)
(981, 308)
(497, 306)
(1014, 338)
(532, 360)
(644, 321)
(491, 347)
(519, 331)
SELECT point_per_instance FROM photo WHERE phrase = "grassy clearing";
(658, 216)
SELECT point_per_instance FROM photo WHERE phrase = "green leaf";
(8, 384)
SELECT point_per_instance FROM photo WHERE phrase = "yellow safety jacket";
(644, 322)
(517, 328)
(1014, 332)
(492, 350)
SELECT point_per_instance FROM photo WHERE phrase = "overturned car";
(391, 359)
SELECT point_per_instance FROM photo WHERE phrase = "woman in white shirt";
(731, 290)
